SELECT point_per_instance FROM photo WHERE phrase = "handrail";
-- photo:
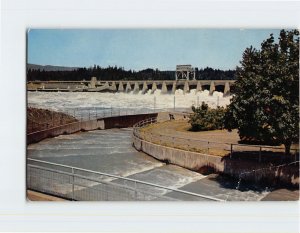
(128, 179)
(144, 123)
(95, 180)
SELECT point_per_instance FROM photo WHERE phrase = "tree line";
(119, 73)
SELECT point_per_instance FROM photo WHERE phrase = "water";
(110, 151)
(114, 102)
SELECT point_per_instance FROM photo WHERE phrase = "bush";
(205, 118)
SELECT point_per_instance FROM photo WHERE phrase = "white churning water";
(76, 100)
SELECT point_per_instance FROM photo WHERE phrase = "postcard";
(162, 115)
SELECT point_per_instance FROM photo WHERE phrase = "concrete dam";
(166, 86)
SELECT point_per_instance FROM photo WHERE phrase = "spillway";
(110, 151)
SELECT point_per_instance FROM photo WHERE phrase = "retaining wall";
(287, 175)
(126, 121)
(65, 129)
(101, 123)
(191, 160)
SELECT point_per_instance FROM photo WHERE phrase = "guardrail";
(80, 184)
(144, 123)
(255, 152)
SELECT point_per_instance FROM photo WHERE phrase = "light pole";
(174, 103)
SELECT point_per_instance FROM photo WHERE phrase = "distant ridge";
(50, 68)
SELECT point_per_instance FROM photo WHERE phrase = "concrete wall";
(126, 121)
(65, 129)
(101, 123)
(288, 175)
(191, 160)
(262, 173)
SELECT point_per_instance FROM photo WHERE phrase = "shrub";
(205, 118)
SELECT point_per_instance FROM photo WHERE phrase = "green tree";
(205, 118)
(265, 105)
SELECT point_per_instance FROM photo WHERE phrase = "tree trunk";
(287, 146)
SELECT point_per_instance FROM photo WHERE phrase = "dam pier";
(166, 86)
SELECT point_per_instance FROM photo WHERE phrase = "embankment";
(41, 119)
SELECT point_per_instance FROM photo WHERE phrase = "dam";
(143, 86)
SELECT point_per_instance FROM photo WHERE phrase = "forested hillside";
(119, 73)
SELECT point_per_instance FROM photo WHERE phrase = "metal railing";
(84, 114)
(233, 150)
(144, 123)
(80, 184)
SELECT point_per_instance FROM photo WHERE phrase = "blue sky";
(143, 48)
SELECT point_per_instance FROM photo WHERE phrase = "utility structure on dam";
(185, 72)
(185, 79)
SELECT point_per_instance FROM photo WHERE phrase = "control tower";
(185, 72)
